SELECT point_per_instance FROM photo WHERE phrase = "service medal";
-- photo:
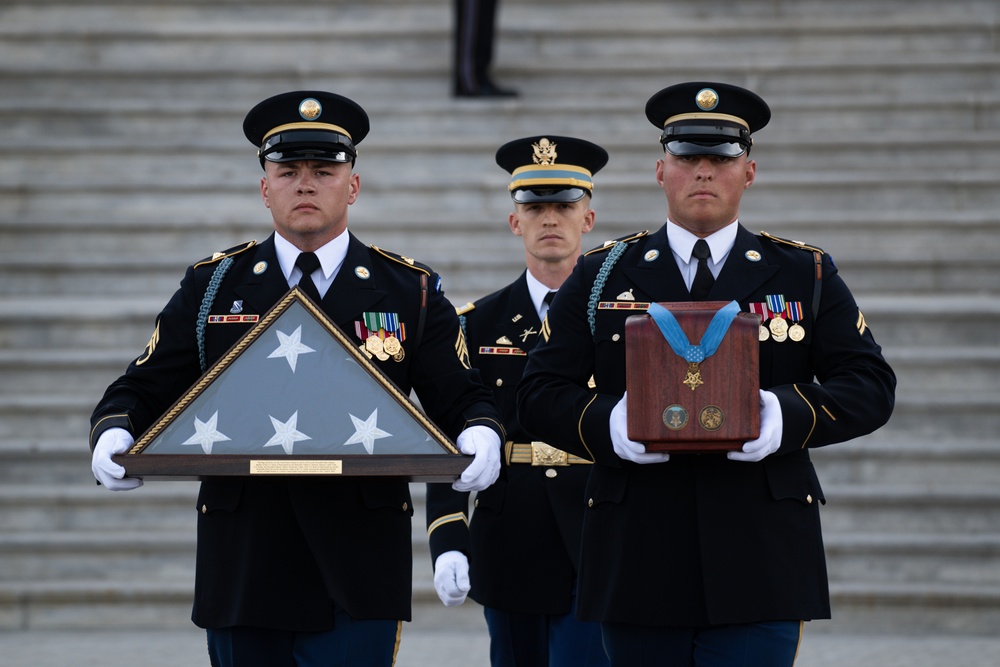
(391, 345)
(374, 345)
(779, 327)
(796, 332)
(762, 333)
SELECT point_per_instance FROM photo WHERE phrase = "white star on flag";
(366, 432)
(291, 347)
(286, 434)
(205, 433)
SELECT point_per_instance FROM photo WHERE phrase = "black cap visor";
(307, 145)
(721, 140)
(544, 195)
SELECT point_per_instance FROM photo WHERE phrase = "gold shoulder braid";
(613, 242)
(218, 256)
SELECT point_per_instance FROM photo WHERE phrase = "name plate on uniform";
(692, 377)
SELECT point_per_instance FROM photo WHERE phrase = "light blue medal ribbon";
(678, 340)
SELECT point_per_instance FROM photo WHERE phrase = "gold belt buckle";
(547, 455)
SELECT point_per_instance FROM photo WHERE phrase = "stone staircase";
(126, 162)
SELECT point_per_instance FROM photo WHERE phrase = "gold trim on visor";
(307, 126)
(707, 116)
(537, 169)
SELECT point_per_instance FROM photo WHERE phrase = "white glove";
(107, 472)
(483, 443)
(451, 578)
(630, 450)
(770, 431)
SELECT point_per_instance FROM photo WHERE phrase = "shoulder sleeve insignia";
(628, 238)
(235, 250)
(794, 244)
(402, 259)
(467, 308)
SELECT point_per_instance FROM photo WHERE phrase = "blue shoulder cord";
(206, 305)
(602, 278)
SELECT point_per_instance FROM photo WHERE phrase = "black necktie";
(547, 299)
(308, 262)
(703, 279)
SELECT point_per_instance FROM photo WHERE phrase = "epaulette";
(462, 310)
(628, 238)
(795, 244)
(235, 250)
(402, 259)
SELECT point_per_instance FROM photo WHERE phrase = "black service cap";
(306, 125)
(550, 168)
(705, 118)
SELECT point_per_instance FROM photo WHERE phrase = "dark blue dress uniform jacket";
(525, 532)
(701, 540)
(277, 553)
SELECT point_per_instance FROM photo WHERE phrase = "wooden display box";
(674, 407)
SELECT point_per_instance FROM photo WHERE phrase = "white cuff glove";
(770, 431)
(630, 450)
(483, 443)
(107, 472)
(451, 578)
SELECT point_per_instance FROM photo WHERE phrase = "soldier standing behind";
(525, 531)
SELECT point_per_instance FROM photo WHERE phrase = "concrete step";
(882, 458)
(126, 553)
(942, 509)
(85, 506)
(914, 609)
(919, 558)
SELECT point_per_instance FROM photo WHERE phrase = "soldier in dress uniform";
(525, 531)
(304, 570)
(706, 559)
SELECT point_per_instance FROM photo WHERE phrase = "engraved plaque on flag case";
(294, 396)
(677, 405)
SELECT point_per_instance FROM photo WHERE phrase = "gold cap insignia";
(310, 108)
(706, 99)
(544, 152)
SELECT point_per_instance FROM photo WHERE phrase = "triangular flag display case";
(294, 396)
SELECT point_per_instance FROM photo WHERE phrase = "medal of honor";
(693, 377)
(678, 340)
